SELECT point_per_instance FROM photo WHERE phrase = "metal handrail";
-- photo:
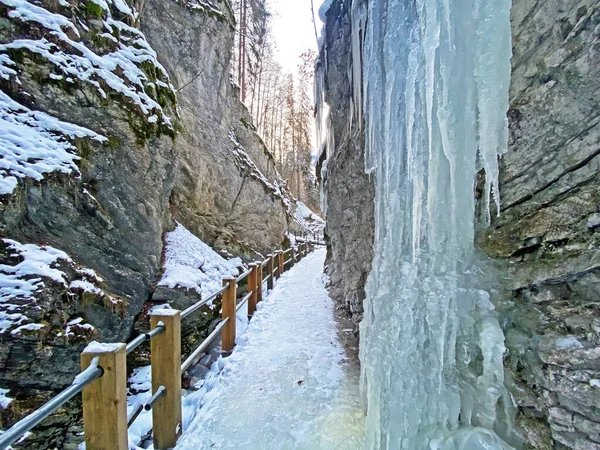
(244, 300)
(137, 410)
(196, 353)
(201, 303)
(244, 275)
(160, 328)
(160, 393)
(15, 432)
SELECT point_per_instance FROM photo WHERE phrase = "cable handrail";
(94, 371)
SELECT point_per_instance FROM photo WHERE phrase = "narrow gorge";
(166, 157)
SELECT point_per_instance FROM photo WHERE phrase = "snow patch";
(192, 264)
(568, 343)
(307, 219)
(101, 347)
(4, 399)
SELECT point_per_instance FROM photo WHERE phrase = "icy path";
(288, 384)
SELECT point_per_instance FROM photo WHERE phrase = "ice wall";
(435, 77)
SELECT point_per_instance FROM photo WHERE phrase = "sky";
(294, 33)
(293, 30)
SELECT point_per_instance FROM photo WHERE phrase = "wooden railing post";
(270, 268)
(276, 264)
(252, 283)
(165, 351)
(228, 312)
(281, 256)
(105, 400)
(259, 285)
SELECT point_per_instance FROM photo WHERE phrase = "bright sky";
(293, 30)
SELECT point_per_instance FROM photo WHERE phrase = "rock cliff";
(546, 237)
(117, 119)
(349, 191)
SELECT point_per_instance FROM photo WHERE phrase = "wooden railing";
(103, 380)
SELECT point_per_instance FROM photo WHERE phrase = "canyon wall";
(109, 136)
(546, 239)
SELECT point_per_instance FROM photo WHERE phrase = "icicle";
(435, 77)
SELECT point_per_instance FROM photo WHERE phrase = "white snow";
(19, 283)
(245, 162)
(307, 219)
(28, 327)
(75, 326)
(33, 143)
(288, 383)
(192, 264)
(595, 383)
(4, 399)
(93, 363)
(568, 343)
(203, 5)
(101, 347)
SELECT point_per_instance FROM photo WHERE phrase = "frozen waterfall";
(435, 77)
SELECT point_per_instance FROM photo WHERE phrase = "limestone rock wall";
(226, 188)
(349, 191)
(206, 168)
(548, 231)
(546, 240)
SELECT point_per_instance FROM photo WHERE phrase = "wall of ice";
(435, 77)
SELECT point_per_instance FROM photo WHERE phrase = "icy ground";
(288, 384)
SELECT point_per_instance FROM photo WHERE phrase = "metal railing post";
(252, 283)
(228, 312)
(165, 351)
(259, 284)
(105, 400)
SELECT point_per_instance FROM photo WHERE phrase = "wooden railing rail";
(104, 374)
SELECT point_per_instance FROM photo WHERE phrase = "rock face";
(350, 192)
(548, 228)
(204, 167)
(547, 236)
(226, 185)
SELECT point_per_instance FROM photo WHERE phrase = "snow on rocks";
(4, 399)
(192, 264)
(204, 6)
(34, 266)
(33, 143)
(307, 219)
(244, 162)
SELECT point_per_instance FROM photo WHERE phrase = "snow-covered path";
(288, 384)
